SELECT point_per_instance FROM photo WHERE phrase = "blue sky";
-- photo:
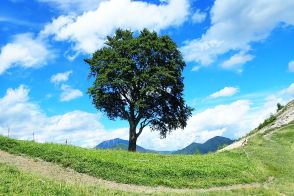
(239, 55)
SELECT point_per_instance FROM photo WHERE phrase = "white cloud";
(60, 77)
(236, 25)
(236, 61)
(69, 93)
(77, 6)
(291, 66)
(289, 91)
(225, 92)
(24, 51)
(88, 31)
(231, 120)
(24, 117)
(198, 16)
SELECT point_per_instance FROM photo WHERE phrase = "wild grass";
(189, 171)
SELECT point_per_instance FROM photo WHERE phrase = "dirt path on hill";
(58, 173)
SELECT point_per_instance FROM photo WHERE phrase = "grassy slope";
(193, 171)
(277, 158)
(15, 182)
(274, 157)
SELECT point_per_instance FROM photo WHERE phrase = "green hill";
(210, 145)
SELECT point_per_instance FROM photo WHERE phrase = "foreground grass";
(189, 171)
(15, 182)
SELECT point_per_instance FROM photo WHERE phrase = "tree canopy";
(138, 78)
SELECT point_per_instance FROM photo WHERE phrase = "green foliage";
(267, 121)
(144, 168)
(139, 79)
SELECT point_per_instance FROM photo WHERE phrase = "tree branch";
(143, 124)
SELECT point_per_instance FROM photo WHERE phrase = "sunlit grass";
(190, 171)
(15, 182)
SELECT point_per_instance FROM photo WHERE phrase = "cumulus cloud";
(24, 51)
(24, 117)
(225, 92)
(235, 26)
(231, 120)
(291, 66)
(88, 31)
(60, 77)
(236, 61)
(68, 93)
(198, 16)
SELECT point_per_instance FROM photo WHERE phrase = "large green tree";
(138, 78)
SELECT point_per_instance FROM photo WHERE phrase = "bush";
(279, 107)
(267, 121)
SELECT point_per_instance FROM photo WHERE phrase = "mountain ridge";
(211, 145)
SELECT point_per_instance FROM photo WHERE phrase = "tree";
(139, 79)
(279, 107)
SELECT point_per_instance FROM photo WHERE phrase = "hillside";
(264, 166)
(273, 123)
(210, 145)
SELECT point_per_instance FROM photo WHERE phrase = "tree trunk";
(132, 138)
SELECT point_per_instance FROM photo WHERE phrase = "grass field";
(15, 182)
(189, 171)
(262, 158)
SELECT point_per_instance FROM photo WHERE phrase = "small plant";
(279, 107)
(267, 121)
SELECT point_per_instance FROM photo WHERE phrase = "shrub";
(267, 121)
(279, 107)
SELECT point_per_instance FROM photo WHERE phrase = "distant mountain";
(210, 145)
(119, 144)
